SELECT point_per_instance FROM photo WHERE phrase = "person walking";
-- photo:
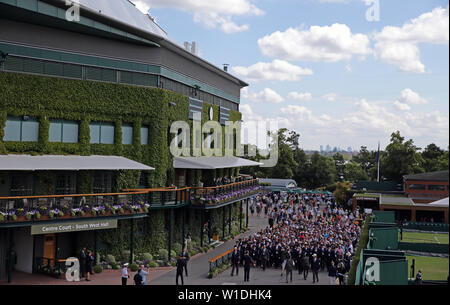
(83, 256)
(305, 266)
(185, 255)
(125, 276)
(419, 278)
(247, 265)
(144, 275)
(289, 266)
(315, 267)
(264, 257)
(89, 263)
(235, 258)
(332, 273)
(138, 278)
(180, 266)
(341, 272)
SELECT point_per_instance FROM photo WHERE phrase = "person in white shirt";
(125, 275)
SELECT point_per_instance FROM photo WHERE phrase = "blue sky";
(352, 85)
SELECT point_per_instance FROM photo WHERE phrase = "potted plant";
(43, 213)
(215, 234)
(18, 215)
(3, 217)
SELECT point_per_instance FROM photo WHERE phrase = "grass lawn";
(433, 268)
(412, 237)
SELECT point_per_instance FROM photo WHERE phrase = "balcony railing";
(17, 209)
(225, 193)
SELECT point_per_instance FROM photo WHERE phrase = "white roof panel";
(211, 162)
(70, 163)
(440, 203)
(125, 12)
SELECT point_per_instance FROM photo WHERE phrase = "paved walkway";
(198, 267)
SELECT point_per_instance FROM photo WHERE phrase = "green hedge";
(362, 244)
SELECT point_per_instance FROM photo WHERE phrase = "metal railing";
(15, 209)
(222, 259)
(220, 194)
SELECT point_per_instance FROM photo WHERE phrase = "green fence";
(383, 216)
(383, 238)
(427, 226)
(382, 225)
(424, 247)
(393, 267)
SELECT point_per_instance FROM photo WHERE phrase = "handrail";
(225, 185)
(221, 255)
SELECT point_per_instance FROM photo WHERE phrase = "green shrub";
(177, 248)
(134, 267)
(153, 264)
(147, 257)
(363, 239)
(98, 269)
(115, 266)
(174, 254)
(110, 259)
(125, 255)
(163, 254)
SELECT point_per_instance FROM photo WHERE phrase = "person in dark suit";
(83, 256)
(247, 265)
(235, 258)
(264, 257)
(185, 255)
(180, 266)
(315, 267)
(89, 263)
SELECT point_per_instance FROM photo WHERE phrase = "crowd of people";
(307, 233)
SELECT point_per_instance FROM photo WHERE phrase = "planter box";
(19, 219)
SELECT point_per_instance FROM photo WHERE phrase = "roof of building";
(211, 162)
(70, 163)
(124, 11)
(432, 176)
(395, 200)
(440, 203)
(374, 186)
(285, 183)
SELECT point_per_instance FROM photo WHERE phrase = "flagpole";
(378, 161)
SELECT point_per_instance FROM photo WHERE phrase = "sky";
(345, 73)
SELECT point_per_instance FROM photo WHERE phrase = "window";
(63, 131)
(195, 106)
(65, 184)
(103, 183)
(144, 135)
(127, 134)
(436, 187)
(417, 187)
(102, 133)
(21, 129)
(224, 115)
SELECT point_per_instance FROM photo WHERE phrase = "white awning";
(211, 162)
(69, 163)
(440, 203)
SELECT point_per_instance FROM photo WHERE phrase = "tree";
(353, 172)
(367, 160)
(340, 194)
(402, 158)
(339, 164)
(431, 156)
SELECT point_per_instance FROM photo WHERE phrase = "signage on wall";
(75, 226)
(211, 113)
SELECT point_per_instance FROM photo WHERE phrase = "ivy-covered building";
(86, 108)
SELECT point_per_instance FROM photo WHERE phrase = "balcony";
(211, 197)
(26, 210)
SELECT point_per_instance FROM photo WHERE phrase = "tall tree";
(431, 155)
(353, 172)
(367, 160)
(402, 158)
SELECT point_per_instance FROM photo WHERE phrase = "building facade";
(109, 85)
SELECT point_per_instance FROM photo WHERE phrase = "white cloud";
(399, 45)
(366, 122)
(319, 43)
(277, 70)
(407, 96)
(401, 106)
(331, 97)
(306, 96)
(213, 14)
(265, 96)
